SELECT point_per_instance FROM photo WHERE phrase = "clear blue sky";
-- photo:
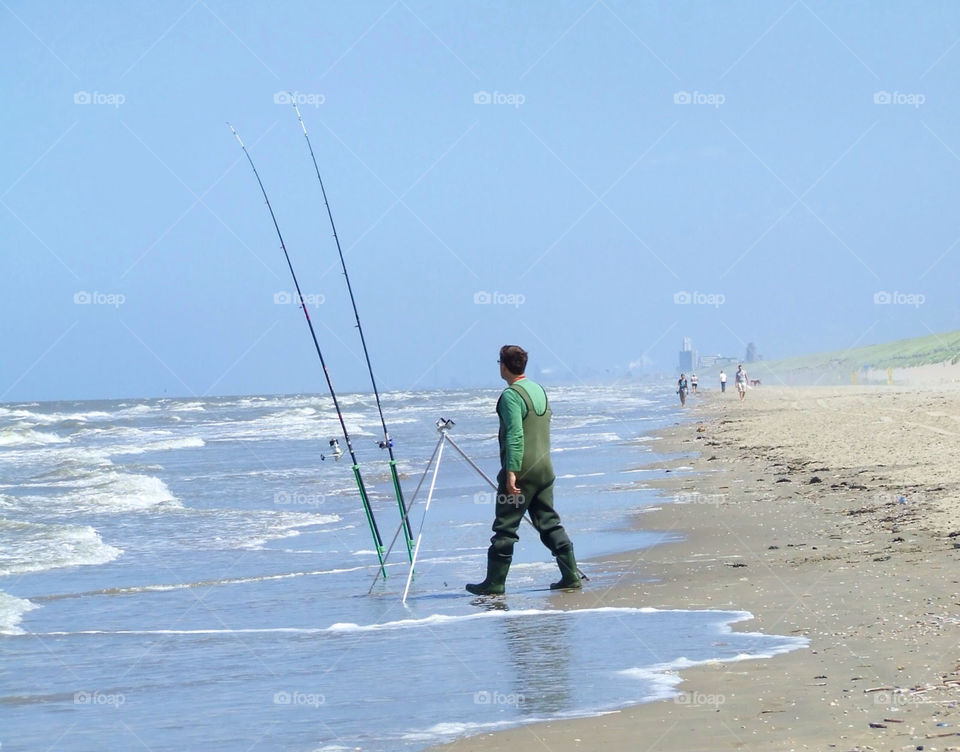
(630, 152)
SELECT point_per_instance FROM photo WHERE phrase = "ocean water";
(189, 574)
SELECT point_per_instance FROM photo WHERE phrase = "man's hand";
(511, 483)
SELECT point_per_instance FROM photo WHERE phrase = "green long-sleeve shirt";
(512, 410)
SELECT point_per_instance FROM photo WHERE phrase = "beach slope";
(829, 513)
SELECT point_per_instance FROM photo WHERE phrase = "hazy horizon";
(592, 180)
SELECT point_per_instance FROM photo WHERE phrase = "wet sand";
(831, 513)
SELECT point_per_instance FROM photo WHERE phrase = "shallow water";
(166, 565)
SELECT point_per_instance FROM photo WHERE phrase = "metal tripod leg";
(426, 508)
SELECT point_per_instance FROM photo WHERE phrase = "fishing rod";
(368, 510)
(387, 442)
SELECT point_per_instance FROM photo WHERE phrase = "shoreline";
(792, 513)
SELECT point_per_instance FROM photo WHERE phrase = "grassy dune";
(837, 366)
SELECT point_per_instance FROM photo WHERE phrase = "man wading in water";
(525, 481)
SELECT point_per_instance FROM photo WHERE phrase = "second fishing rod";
(387, 442)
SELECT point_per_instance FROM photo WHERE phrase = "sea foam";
(37, 547)
(12, 610)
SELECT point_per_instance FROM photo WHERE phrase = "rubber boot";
(569, 574)
(497, 568)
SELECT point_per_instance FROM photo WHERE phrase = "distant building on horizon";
(687, 358)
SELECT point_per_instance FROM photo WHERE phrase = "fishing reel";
(444, 425)
(335, 451)
(387, 443)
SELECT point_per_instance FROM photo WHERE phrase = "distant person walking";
(682, 389)
(741, 379)
(693, 383)
(723, 380)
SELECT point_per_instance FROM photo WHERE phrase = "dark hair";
(514, 358)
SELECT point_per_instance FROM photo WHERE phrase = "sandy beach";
(827, 512)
